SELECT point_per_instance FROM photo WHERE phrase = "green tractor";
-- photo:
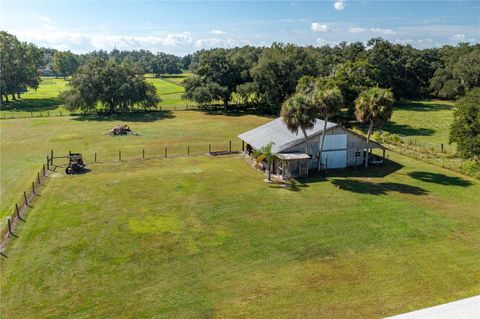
(75, 164)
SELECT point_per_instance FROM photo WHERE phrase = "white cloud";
(44, 19)
(339, 5)
(317, 27)
(356, 30)
(459, 37)
(382, 31)
(216, 31)
(217, 42)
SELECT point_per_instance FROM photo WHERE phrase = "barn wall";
(355, 143)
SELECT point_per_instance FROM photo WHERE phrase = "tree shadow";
(418, 106)
(441, 179)
(231, 111)
(32, 105)
(147, 116)
(407, 130)
(387, 168)
(363, 187)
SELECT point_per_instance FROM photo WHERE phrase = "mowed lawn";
(27, 142)
(422, 121)
(45, 100)
(205, 237)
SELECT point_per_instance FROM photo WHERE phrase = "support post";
(51, 157)
(165, 152)
(38, 178)
(33, 188)
(188, 150)
(243, 146)
(119, 155)
(43, 169)
(9, 221)
(209, 148)
(143, 153)
(25, 198)
(230, 147)
(48, 162)
(17, 210)
(95, 160)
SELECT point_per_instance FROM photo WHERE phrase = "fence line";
(11, 115)
(7, 231)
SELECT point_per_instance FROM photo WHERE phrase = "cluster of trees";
(114, 87)
(265, 77)
(66, 63)
(19, 63)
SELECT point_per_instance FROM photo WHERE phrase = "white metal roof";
(468, 308)
(277, 132)
(292, 156)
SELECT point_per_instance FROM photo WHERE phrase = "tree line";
(265, 77)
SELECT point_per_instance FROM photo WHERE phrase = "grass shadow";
(231, 111)
(147, 116)
(363, 187)
(419, 106)
(32, 105)
(441, 179)
(407, 130)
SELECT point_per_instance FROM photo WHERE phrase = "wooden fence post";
(143, 153)
(33, 188)
(119, 155)
(48, 163)
(18, 213)
(51, 157)
(209, 148)
(188, 150)
(25, 198)
(230, 147)
(43, 169)
(9, 221)
(60, 112)
(38, 178)
(165, 152)
(95, 157)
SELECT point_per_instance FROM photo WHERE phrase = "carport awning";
(292, 156)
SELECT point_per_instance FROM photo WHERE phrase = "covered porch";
(292, 165)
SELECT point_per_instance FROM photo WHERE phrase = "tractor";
(75, 164)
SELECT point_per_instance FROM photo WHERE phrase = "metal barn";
(342, 147)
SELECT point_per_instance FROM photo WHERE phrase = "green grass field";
(423, 121)
(45, 101)
(205, 237)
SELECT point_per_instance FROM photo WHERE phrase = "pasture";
(204, 236)
(425, 121)
(45, 101)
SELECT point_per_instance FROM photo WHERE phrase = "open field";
(205, 237)
(423, 121)
(27, 142)
(45, 98)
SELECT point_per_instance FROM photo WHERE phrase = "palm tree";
(298, 113)
(373, 106)
(266, 153)
(329, 102)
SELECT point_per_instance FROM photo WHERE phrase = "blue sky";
(182, 27)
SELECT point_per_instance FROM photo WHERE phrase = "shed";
(342, 147)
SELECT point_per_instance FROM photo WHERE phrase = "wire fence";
(24, 203)
(19, 214)
(19, 114)
(438, 155)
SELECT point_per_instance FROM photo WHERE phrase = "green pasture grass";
(423, 121)
(26, 142)
(45, 100)
(206, 237)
